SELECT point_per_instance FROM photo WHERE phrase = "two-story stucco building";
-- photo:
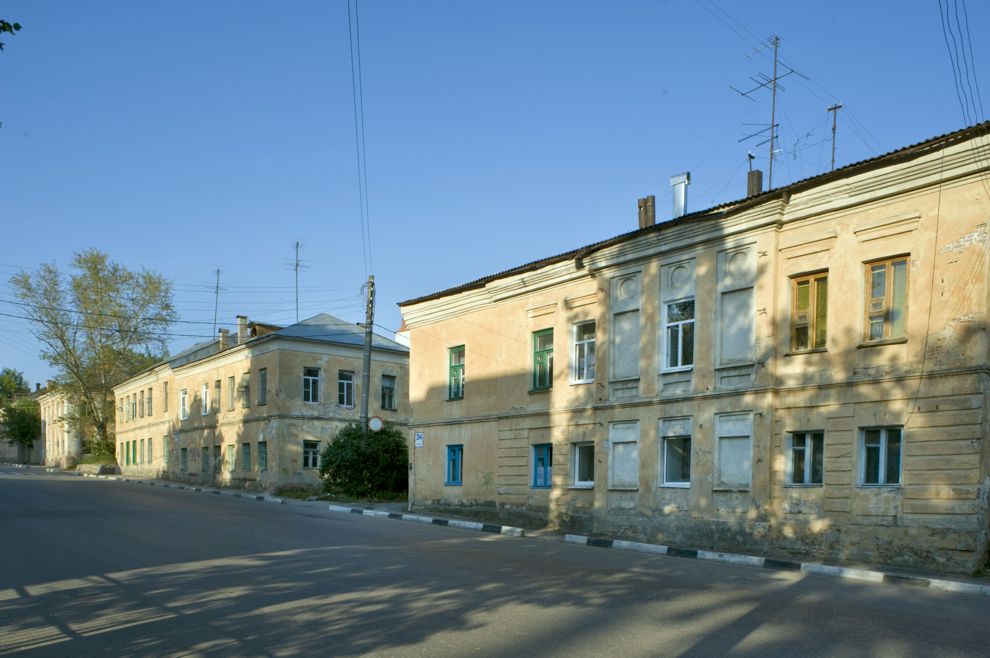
(804, 371)
(62, 444)
(253, 409)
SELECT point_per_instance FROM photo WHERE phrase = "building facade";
(253, 410)
(62, 445)
(804, 372)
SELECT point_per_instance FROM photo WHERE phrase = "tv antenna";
(834, 109)
(297, 264)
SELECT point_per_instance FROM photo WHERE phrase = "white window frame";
(684, 432)
(882, 463)
(578, 377)
(308, 381)
(808, 447)
(183, 404)
(348, 388)
(205, 402)
(576, 465)
(681, 367)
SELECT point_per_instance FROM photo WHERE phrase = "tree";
(20, 422)
(99, 326)
(363, 464)
(9, 28)
(12, 385)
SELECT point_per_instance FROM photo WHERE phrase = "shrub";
(365, 465)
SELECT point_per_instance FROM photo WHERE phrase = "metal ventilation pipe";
(680, 183)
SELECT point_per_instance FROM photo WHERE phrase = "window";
(183, 404)
(127, 453)
(809, 304)
(542, 466)
(455, 464)
(205, 401)
(262, 455)
(134, 406)
(583, 464)
(165, 397)
(262, 385)
(311, 384)
(345, 388)
(230, 394)
(736, 319)
(183, 459)
(149, 455)
(311, 454)
(388, 392)
(120, 408)
(624, 332)
(675, 452)
(141, 403)
(140, 455)
(543, 359)
(805, 457)
(229, 460)
(678, 344)
(583, 364)
(149, 401)
(623, 458)
(216, 459)
(165, 450)
(880, 456)
(204, 460)
(734, 459)
(455, 379)
(246, 389)
(886, 298)
(245, 456)
(216, 395)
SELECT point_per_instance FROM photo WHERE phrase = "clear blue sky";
(184, 137)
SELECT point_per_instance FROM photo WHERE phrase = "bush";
(359, 465)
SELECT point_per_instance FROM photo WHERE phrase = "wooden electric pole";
(369, 321)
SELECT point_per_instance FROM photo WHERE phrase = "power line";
(357, 94)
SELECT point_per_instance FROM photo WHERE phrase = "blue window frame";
(455, 464)
(542, 466)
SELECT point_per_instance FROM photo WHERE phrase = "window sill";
(675, 485)
(584, 487)
(537, 391)
(731, 489)
(624, 380)
(579, 382)
(730, 366)
(623, 488)
(541, 487)
(877, 343)
(664, 371)
(893, 485)
(798, 485)
(817, 350)
(454, 399)
(451, 484)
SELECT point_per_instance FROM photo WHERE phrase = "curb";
(848, 573)
(188, 487)
(494, 528)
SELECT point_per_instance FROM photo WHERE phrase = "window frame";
(262, 386)
(231, 393)
(576, 463)
(544, 451)
(807, 437)
(183, 404)
(310, 454)
(230, 458)
(455, 373)
(454, 462)
(345, 388)
(887, 302)
(680, 324)
(581, 349)
(388, 392)
(615, 437)
(183, 460)
(311, 385)
(149, 403)
(165, 397)
(746, 418)
(882, 457)
(664, 457)
(246, 456)
(542, 358)
(217, 394)
(815, 280)
(205, 401)
(262, 456)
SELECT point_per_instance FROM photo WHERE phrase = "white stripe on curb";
(731, 558)
(639, 547)
(843, 572)
(576, 539)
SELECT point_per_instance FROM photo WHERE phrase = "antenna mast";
(773, 107)
(834, 109)
(216, 302)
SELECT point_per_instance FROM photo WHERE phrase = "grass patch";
(297, 493)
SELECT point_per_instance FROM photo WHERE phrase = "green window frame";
(543, 359)
(455, 380)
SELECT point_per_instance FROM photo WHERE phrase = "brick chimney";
(647, 211)
(242, 329)
(224, 338)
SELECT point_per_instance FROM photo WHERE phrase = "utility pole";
(773, 107)
(834, 109)
(369, 321)
(216, 302)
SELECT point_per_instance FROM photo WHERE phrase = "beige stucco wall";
(283, 422)
(932, 209)
(61, 445)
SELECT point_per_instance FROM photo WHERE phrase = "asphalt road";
(94, 567)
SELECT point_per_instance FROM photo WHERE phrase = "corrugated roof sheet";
(914, 150)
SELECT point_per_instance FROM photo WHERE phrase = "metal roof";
(906, 152)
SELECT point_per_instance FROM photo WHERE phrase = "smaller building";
(254, 409)
(61, 443)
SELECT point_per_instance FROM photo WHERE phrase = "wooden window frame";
(813, 317)
(881, 308)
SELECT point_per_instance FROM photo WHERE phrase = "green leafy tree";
(99, 325)
(363, 464)
(12, 385)
(20, 423)
(9, 28)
